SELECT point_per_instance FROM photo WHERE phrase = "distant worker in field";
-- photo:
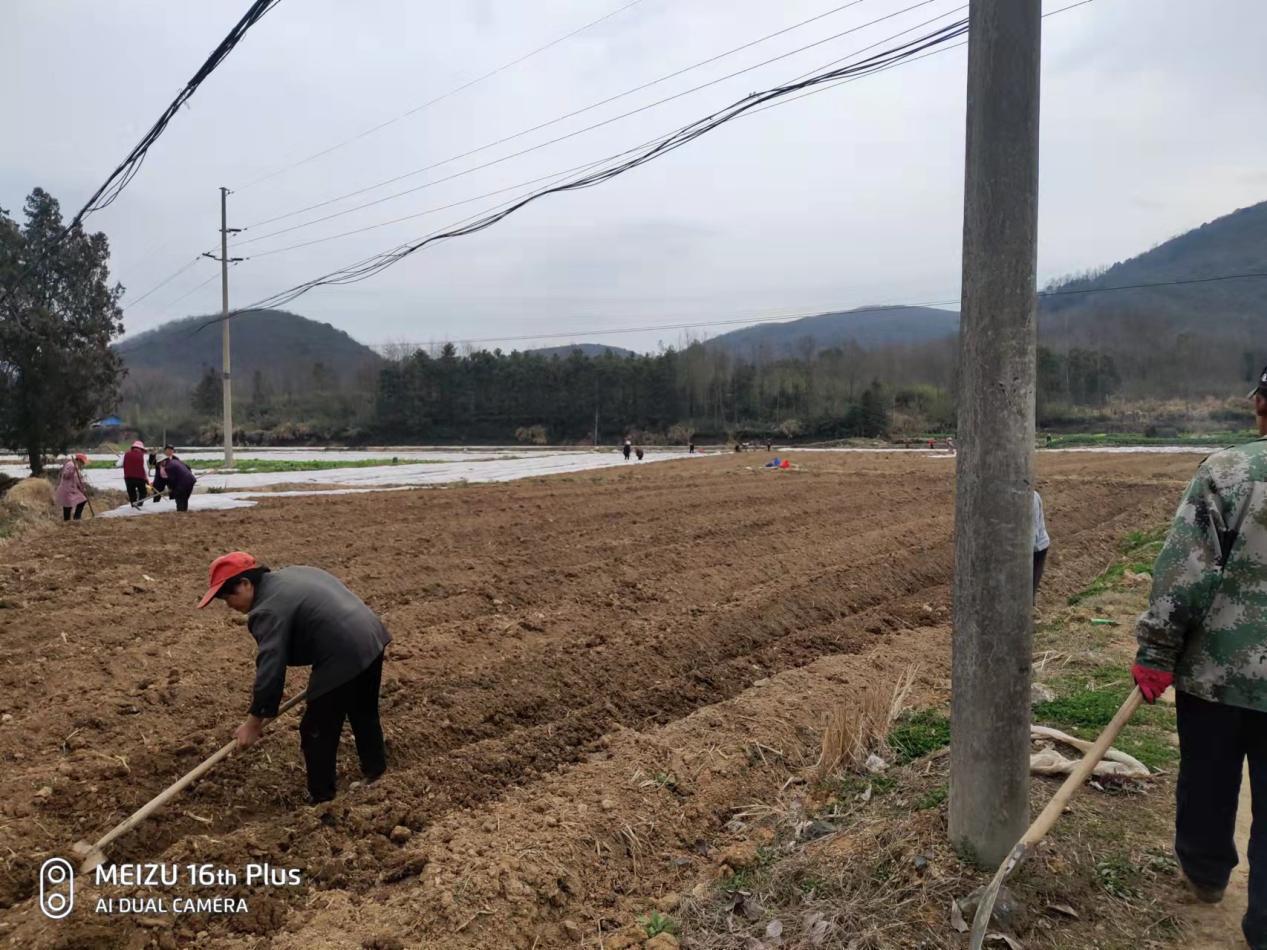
(691, 447)
(72, 491)
(1041, 542)
(628, 448)
(158, 476)
(302, 616)
(134, 474)
(180, 480)
(1205, 631)
(638, 452)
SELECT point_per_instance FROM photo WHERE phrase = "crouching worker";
(302, 616)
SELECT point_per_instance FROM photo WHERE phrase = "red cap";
(138, 444)
(81, 457)
(222, 568)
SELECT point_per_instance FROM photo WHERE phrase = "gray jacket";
(303, 616)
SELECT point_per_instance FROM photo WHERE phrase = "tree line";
(59, 313)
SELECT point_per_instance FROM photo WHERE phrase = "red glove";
(1152, 683)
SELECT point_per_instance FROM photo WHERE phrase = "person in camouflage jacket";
(1205, 631)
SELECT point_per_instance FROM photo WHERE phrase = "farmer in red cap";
(134, 473)
(302, 616)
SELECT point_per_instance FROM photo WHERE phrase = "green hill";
(869, 327)
(1194, 336)
(587, 349)
(1191, 336)
(284, 347)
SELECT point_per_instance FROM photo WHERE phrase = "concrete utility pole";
(993, 612)
(225, 261)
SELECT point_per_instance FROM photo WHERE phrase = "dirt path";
(562, 646)
(1218, 926)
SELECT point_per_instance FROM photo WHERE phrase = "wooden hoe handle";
(167, 794)
(1043, 823)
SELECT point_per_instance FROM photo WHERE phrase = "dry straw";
(858, 728)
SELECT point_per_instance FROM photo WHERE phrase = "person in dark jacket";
(134, 474)
(302, 616)
(158, 480)
(180, 480)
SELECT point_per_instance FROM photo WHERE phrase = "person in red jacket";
(134, 473)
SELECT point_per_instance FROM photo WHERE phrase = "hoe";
(1043, 823)
(93, 855)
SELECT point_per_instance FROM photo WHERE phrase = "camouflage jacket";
(1207, 613)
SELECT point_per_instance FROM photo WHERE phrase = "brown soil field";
(590, 674)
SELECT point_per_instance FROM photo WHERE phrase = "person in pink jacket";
(71, 490)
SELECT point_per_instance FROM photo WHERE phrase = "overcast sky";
(1152, 123)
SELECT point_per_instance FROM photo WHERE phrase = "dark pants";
(1214, 741)
(79, 510)
(1040, 563)
(136, 489)
(322, 724)
(182, 499)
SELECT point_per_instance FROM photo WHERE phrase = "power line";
(759, 321)
(163, 283)
(792, 318)
(419, 214)
(119, 179)
(779, 318)
(128, 169)
(589, 128)
(452, 92)
(872, 65)
(186, 294)
(620, 154)
(671, 142)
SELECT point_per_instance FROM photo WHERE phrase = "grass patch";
(916, 734)
(848, 788)
(1139, 554)
(1085, 703)
(932, 798)
(1218, 437)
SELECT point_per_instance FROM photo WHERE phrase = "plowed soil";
(590, 674)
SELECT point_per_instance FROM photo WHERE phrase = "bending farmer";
(1205, 630)
(72, 491)
(302, 616)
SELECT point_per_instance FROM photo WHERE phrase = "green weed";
(1116, 875)
(917, 734)
(932, 798)
(658, 923)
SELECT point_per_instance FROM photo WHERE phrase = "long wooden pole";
(167, 794)
(1044, 822)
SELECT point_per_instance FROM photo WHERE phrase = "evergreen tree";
(207, 399)
(58, 314)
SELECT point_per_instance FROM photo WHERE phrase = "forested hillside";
(849, 373)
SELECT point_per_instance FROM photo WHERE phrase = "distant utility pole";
(993, 612)
(225, 260)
